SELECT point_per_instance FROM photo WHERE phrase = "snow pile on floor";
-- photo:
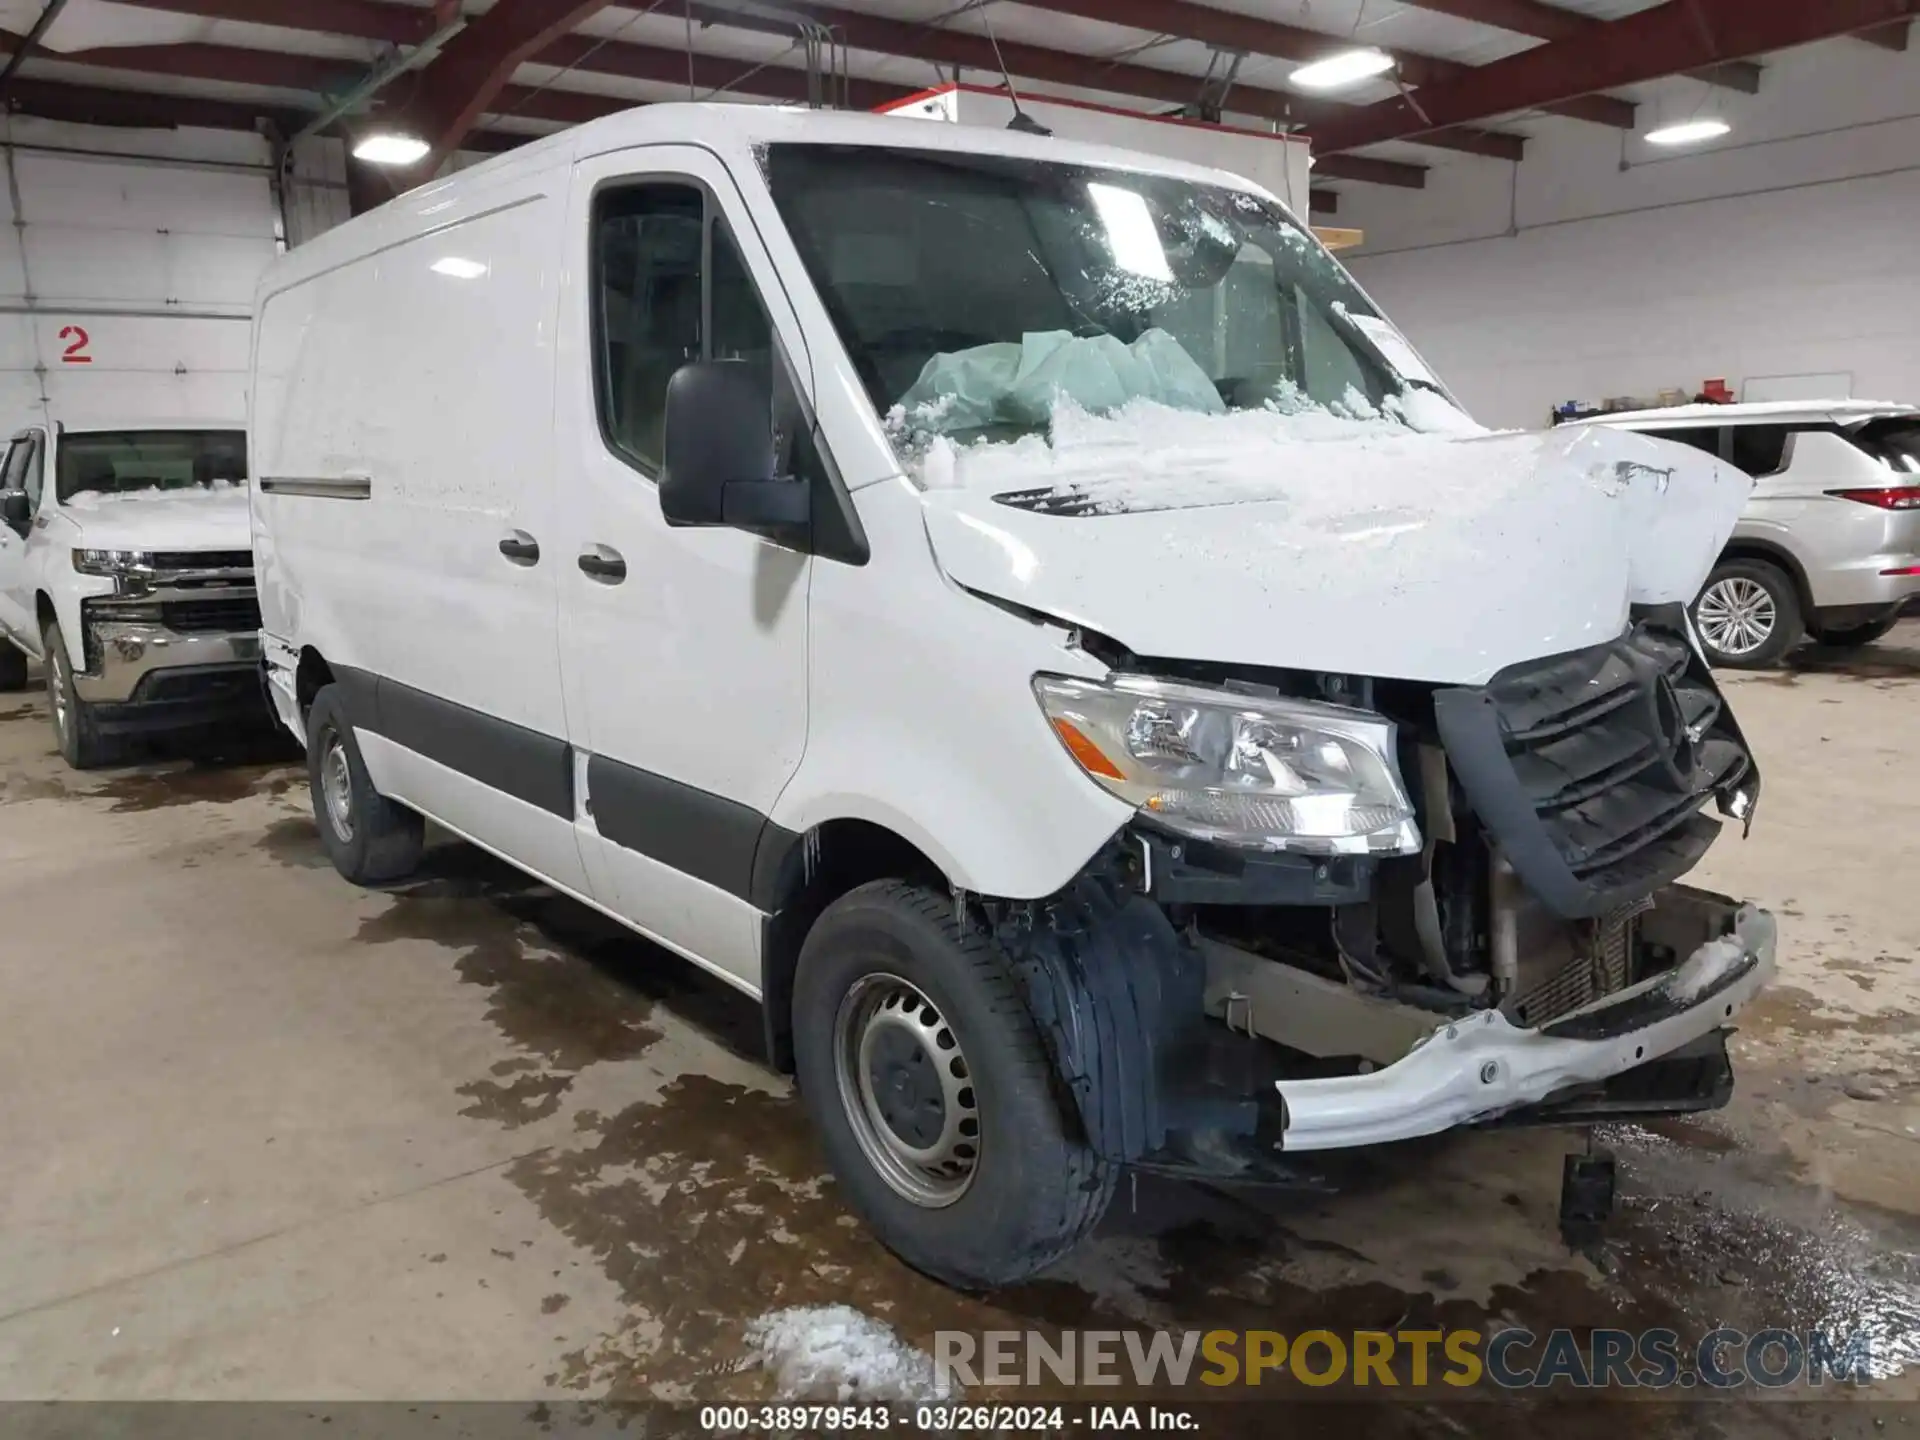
(833, 1352)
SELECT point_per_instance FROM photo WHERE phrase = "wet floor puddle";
(708, 1206)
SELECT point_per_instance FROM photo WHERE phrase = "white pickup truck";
(126, 569)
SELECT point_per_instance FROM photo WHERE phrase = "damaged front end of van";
(1418, 764)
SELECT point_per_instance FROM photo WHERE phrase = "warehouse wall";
(1782, 259)
(128, 260)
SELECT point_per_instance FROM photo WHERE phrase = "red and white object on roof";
(1279, 163)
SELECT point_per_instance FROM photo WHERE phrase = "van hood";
(1315, 543)
(203, 518)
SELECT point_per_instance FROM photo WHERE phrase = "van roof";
(729, 126)
(1768, 412)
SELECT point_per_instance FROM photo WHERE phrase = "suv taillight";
(1899, 497)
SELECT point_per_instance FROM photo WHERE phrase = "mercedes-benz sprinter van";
(1019, 612)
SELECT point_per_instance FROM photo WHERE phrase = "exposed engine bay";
(1527, 957)
(1553, 803)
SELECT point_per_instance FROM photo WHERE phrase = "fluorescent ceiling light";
(1131, 233)
(1349, 67)
(1689, 132)
(390, 149)
(459, 267)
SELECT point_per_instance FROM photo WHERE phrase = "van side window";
(1760, 449)
(1701, 437)
(647, 263)
(669, 286)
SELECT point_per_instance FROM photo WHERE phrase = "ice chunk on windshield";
(1020, 384)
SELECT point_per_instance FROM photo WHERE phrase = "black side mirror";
(16, 509)
(719, 468)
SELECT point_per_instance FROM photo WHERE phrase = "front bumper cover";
(1480, 1068)
(131, 651)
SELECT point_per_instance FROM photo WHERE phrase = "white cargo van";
(1018, 611)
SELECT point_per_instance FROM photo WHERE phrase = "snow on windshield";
(978, 294)
(1146, 455)
(1018, 384)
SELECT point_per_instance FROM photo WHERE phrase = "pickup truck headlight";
(111, 562)
(1252, 770)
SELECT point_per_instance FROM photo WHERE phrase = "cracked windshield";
(977, 294)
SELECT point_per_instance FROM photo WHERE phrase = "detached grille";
(1591, 769)
(191, 615)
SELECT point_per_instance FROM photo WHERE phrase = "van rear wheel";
(933, 1094)
(369, 838)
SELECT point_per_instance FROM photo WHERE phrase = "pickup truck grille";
(1591, 769)
(203, 560)
(188, 616)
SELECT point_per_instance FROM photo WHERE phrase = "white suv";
(1019, 612)
(1829, 546)
(126, 568)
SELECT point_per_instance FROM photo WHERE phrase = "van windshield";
(975, 292)
(119, 462)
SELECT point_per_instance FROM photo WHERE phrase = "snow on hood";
(204, 517)
(1321, 542)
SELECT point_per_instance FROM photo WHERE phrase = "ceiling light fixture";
(390, 149)
(1349, 67)
(1689, 132)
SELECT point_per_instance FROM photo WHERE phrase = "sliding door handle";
(521, 548)
(603, 563)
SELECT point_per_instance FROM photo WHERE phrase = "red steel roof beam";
(1668, 39)
(1545, 22)
(1230, 30)
(461, 83)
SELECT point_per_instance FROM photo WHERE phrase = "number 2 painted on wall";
(77, 342)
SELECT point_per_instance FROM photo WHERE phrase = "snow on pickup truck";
(126, 569)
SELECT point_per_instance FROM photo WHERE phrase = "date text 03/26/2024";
(943, 1418)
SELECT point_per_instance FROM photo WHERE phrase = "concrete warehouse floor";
(264, 1135)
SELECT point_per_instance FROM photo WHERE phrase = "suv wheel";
(369, 838)
(74, 729)
(1748, 615)
(933, 1095)
(13, 667)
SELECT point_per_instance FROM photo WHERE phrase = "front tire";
(13, 667)
(75, 730)
(370, 839)
(1852, 637)
(933, 1094)
(1748, 616)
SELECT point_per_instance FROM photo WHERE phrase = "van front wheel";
(933, 1094)
(369, 838)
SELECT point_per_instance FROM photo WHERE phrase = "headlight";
(1241, 769)
(111, 562)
